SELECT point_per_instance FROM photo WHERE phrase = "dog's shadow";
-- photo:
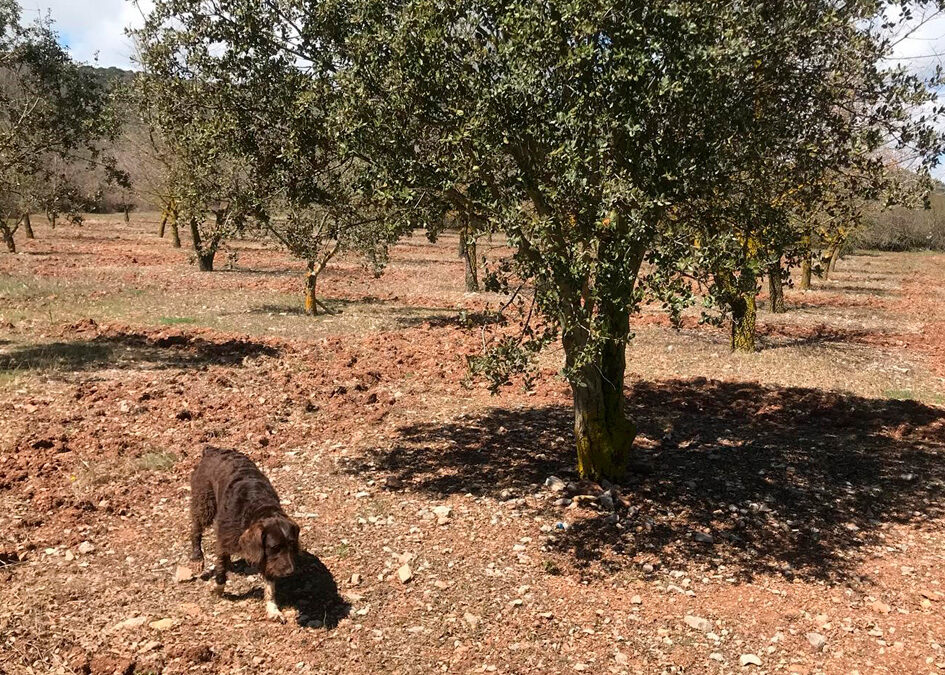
(311, 590)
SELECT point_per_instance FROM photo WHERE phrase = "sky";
(95, 30)
(91, 28)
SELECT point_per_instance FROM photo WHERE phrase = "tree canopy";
(608, 140)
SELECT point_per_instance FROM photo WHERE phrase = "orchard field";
(790, 520)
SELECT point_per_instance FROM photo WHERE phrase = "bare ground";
(795, 502)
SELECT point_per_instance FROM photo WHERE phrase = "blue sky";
(92, 27)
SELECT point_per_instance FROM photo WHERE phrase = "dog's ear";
(294, 533)
(251, 543)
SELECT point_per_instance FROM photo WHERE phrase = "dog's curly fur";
(228, 489)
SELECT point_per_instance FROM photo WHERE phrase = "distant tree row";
(902, 229)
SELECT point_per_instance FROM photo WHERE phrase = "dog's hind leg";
(203, 509)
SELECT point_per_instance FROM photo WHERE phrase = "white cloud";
(93, 27)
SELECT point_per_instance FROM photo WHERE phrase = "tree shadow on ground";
(132, 350)
(337, 305)
(312, 590)
(787, 480)
(779, 336)
(452, 318)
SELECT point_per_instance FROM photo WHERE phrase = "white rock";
(405, 574)
(555, 484)
(698, 623)
(133, 622)
(749, 660)
(163, 624)
(817, 641)
(86, 547)
(182, 574)
(471, 619)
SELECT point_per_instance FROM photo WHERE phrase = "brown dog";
(229, 489)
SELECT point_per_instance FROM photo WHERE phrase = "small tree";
(201, 182)
(51, 111)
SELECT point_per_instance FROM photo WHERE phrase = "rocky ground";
(792, 521)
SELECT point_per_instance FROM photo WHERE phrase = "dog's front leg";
(272, 609)
(223, 564)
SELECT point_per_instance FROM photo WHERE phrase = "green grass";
(177, 320)
(900, 394)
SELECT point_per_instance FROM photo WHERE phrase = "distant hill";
(112, 75)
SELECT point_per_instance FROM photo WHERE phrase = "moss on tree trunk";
(744, 314)
(603, 434)
(806, 273)
(311, 300)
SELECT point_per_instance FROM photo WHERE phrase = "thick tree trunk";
(311, 280)
(205, 255)
(776, 288)
(806, 273)
(603, 434)
(7, 233)
(467, 251)
(163, 226)
(28, 226)
(743, 321)
(205, 260)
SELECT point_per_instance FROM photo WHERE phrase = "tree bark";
(603, 434)
(744, 313)
(163, 225)
(311, 300)
(467, 250)
(806, 272)
(51, 217)
(28, 226)
(127, 215)
(175, 234)
(205, 255)
(776, 288)
(832, 258)
(7, 233)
